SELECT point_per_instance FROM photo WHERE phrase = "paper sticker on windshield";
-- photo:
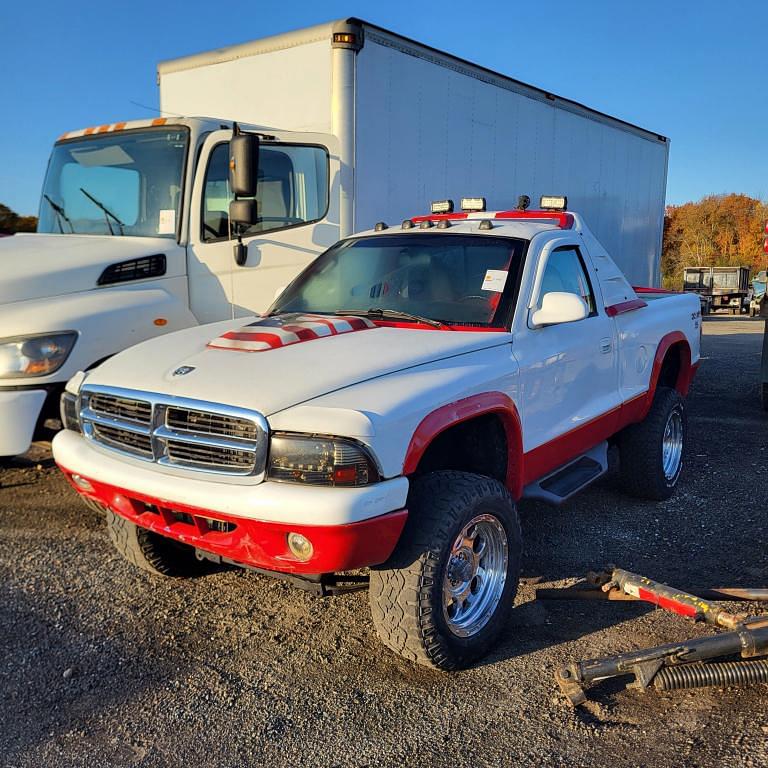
(494, 280)
(167, 222)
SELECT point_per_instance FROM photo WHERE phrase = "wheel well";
(675, 370)
(478, 445)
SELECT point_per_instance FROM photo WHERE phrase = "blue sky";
(694, 71)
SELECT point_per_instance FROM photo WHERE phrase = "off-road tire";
(406, 592)
(94, 505)
(151, 552)
(641, 469)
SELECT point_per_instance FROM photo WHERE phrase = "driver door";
(298, 219)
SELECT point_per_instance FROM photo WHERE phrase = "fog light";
(82, 483)
(300, 546)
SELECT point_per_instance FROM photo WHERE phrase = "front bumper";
(253, 542)
(19, 412)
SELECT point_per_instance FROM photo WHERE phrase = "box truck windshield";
(122, 183)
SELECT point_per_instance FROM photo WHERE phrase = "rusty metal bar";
(747, 594)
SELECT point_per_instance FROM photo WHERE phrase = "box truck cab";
(355, 125)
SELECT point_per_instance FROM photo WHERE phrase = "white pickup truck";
(401, 395)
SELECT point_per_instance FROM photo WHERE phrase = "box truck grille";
(176, 432)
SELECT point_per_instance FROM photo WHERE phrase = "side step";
(569, 479)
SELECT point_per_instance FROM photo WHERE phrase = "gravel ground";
(105, 665)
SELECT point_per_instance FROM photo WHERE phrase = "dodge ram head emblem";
(184, 370)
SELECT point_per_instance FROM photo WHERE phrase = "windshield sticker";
(167, 222)
(495, 280)
(275, 332)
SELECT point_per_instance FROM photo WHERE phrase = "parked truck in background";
(719, 287)
(357, 124)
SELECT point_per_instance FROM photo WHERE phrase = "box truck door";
(297, 220)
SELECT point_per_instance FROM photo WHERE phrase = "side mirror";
(244, 164)
(560, 307)
(243, 213)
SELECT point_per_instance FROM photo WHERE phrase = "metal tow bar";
(674, 665)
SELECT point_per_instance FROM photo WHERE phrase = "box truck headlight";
(36, 355)
(320, 461)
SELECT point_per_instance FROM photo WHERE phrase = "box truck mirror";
(244, 164)
(243, 213)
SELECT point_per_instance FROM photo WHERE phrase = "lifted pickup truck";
(400, 396)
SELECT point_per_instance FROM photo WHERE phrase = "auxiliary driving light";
(442, 206)
(472, 203)
(553, 202)
(82, 483)
(300, 546)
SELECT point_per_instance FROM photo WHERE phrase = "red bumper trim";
(255, 542)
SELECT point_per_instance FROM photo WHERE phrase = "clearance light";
(300, 546)
(472, 203)
(442, 206)
(553, 203)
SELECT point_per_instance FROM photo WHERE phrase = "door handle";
(606, 345)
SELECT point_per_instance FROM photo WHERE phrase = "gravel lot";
(105, 665)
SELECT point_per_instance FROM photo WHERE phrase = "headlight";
(320, 461)
(70, 411)
(36, 355)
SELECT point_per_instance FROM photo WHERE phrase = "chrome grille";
(122, 438)
(175, 432)
(179, 451)
(139, 411)
(186, 420)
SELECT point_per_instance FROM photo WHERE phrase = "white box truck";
(357, 124)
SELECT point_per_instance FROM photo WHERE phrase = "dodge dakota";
(388, 412)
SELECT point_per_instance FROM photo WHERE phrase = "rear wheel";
(444, 596)
(651, 453)
(156, 554)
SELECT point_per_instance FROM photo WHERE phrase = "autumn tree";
(718, 230)
(11, 222)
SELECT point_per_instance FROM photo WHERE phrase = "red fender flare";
(463, 410)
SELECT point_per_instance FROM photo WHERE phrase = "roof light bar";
(472, 203)
(553, 202)
(442, 206)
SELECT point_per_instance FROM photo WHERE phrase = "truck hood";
(33, 266)
(184, 364)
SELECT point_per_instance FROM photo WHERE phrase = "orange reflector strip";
(103, 129)
(63, 136)
(160, 121)
(88, 131)
(118, 126)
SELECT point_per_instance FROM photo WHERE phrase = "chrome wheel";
(475, 575)
(672, 445)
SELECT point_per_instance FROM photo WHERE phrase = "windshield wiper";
(60, 214)
(390, 314)
(107, 212)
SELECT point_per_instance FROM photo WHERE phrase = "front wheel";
(651, 452)
(444, 596)
(151, 552)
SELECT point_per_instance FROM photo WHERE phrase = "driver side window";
(292, 189)
(565, 273)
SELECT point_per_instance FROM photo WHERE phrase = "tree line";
(718, 230)
(11, 222)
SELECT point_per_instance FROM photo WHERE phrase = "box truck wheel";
(444, 596)
(651, 452)
(156, 554)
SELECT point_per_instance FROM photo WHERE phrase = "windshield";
(456, 279)
(123, 183)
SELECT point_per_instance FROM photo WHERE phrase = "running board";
(569, 479)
